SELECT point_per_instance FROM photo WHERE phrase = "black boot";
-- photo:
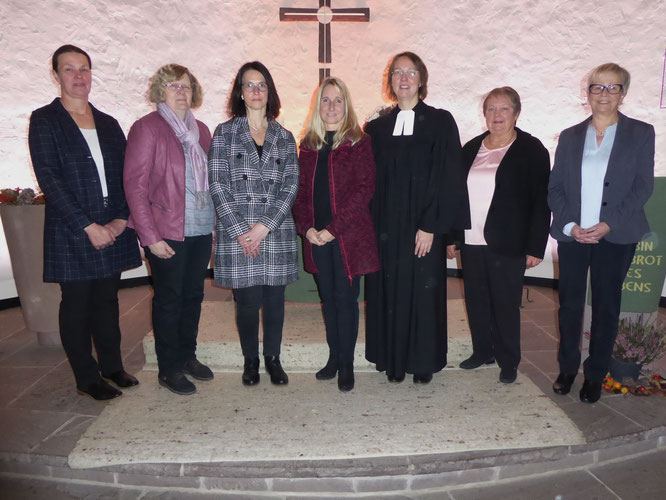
(346, 377)
(274, 369)
(330, 370)
(251, 371)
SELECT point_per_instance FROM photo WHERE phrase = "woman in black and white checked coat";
(253, 177)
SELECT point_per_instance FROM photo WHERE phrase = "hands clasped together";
(251, 240)
(590, 235)
(105, 236)
(319, 238)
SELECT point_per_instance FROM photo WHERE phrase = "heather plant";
(639, 341)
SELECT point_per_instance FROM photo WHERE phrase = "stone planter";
(24, 231)
(621, 370)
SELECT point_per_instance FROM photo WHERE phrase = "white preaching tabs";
(404, 123)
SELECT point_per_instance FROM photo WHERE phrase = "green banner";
(642, 287)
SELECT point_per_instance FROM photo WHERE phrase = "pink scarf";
(188, 134)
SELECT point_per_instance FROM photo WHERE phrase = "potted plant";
(22, 212)
(639, 342)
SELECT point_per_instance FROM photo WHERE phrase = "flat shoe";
(329, 371)
(396, 379)
(122, 379)
(198, 370)
(100, 391)
(475, 361)
(508, 375)
(563, 383)
(177, 383)
(591, 391)
(423, 378)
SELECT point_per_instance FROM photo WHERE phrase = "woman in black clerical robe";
(416, 204)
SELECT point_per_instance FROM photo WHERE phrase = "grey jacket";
(247, 189)
(627, 186)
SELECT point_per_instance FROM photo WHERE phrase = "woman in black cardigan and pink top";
(507, 182)
(333, 218)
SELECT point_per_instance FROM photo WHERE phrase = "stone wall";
(541, 48)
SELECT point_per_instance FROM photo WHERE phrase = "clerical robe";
(420, 184)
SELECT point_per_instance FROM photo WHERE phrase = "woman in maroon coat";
(332, 216)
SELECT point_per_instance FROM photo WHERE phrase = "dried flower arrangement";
(18, 196)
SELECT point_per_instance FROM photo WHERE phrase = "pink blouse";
(481, 187)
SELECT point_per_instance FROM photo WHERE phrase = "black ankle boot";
(329, 371)
(251, 371)
(274, 369)
(346, 377)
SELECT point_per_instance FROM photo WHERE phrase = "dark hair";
(64, 50)
(504, 91)
(236, 106)
(420, 66)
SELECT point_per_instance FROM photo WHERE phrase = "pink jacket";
(154, 179)
(351, 180)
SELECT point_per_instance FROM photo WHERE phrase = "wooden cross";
(324, 15)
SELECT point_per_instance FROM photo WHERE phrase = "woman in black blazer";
(77, 153)
(507, 182)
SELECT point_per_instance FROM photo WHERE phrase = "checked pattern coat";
(246, 190)
(69, 179)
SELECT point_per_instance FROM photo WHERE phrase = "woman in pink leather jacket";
(166, 185)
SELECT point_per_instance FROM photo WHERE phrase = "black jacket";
(518, 218)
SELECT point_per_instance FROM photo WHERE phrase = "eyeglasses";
(176, 87)
(410, 73)
(613, 88)
(250, 86)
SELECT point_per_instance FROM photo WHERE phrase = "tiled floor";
(41, 413)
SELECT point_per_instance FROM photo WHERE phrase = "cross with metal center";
(324, 15)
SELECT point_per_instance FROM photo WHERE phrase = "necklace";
(490, 145)
(257, 129)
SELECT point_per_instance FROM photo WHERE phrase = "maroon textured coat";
(351, 180)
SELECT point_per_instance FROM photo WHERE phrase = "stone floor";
(42, 417)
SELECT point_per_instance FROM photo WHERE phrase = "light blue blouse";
(593, 173)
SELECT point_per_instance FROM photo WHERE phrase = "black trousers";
(493, 291)
(339, 301)
(608, 264)
(89, 312)
(249, 301)
(178, 285)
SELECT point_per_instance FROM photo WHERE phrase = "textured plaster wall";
(541, 48)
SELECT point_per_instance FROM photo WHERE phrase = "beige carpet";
(309, 419)
(304, 346)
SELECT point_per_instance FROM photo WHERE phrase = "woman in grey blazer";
(602, 177)
(253, 177)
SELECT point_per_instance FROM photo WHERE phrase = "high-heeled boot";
(274, 369)
(346, 377)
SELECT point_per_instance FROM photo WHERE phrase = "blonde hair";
(611, 68)
(170, 73)
(349, 128)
